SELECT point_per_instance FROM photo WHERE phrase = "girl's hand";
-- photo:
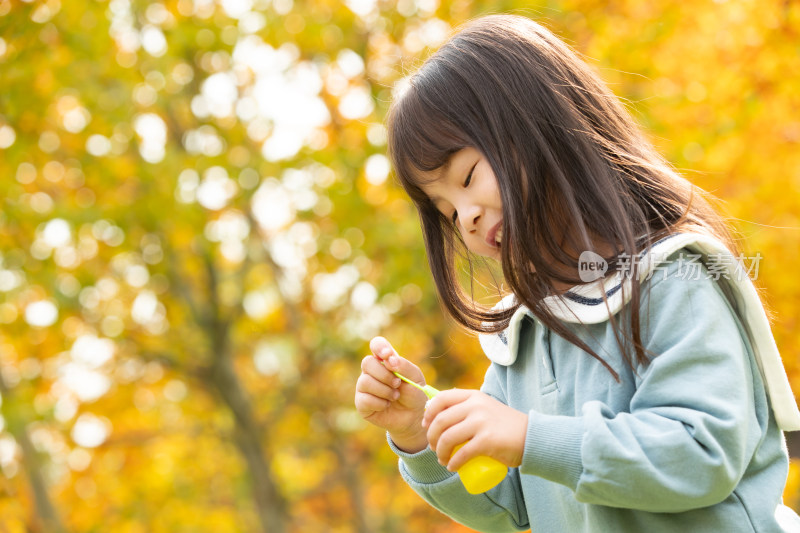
(384, 400)
(492, 428)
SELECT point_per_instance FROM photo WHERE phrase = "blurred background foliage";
(199, 232)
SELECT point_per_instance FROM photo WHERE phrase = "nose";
(469, 216)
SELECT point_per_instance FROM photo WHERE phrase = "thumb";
(385, 353)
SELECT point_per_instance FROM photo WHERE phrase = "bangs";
(421, 139)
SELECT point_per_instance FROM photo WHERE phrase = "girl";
(634, 384)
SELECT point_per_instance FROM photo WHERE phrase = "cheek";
(472, 242)
(477, 245)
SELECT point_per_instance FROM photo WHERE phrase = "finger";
(442, 423)
(444, 400)
(369, 385)
(367, 404)
(394, 362)
(454, 436)
(382, 349)
(372, 366)
(461, 454)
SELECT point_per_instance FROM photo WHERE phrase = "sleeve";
(691, 428)
(501, 509)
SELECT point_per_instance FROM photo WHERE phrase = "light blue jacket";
(687, 443)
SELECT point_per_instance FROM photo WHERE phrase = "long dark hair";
(572, 167)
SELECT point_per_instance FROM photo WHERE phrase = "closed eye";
(469, 176)
(454, 216)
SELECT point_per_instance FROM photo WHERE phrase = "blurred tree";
(199, 233)
(183, 234)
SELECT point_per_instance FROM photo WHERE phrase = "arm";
(382, 399)
(691, 429)
(499, 510)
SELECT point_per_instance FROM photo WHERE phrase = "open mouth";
(495, 236)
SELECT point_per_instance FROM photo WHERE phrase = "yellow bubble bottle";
(480, 473)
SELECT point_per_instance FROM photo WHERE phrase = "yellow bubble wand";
(480, 473)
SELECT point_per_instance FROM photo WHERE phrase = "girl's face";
(465, 190)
